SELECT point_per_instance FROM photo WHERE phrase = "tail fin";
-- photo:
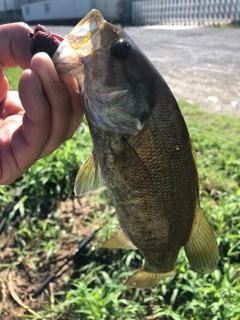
(202, 248)
(144, 279)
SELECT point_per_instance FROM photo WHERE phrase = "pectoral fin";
(144, 279)
(88, 177)
(119, 240)
(202, 248)
(123, 122)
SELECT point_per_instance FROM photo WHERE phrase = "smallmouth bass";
(141, 149)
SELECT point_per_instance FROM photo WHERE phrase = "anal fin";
(119, 240)
(202, 248)
(145, 279)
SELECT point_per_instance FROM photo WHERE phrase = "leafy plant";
(95, 290)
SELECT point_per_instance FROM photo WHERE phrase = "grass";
(97, 292)
(13, 76)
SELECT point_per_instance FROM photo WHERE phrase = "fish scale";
(152, 199)
(141, 149)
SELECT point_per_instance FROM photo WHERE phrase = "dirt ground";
(17, 289)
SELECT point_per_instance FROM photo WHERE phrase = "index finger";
(15, 45)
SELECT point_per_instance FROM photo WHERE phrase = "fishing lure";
(44, 41)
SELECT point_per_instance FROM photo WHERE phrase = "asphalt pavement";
(201, 65)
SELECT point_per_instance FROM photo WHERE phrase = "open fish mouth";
(79, 56)
(78, 44)
(85, 29)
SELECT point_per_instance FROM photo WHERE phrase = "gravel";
(201, 65)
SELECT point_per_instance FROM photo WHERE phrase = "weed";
(96, 291)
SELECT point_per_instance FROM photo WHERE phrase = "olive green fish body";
(153, 182)
(142, 150)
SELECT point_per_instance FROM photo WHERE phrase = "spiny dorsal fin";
(119, 240)
(145, 279)
(202, 248)
(88, 177)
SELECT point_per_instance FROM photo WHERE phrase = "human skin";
(43, 113)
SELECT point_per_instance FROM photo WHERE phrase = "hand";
(44, 112)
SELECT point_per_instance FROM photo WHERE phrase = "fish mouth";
(80, 36)
(78, 43)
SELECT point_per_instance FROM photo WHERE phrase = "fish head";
(113, 74)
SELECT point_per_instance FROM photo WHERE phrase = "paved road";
(201, 65)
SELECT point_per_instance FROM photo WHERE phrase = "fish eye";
(121, 49)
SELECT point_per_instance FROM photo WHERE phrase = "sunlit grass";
(98, 292)
(13, 76)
